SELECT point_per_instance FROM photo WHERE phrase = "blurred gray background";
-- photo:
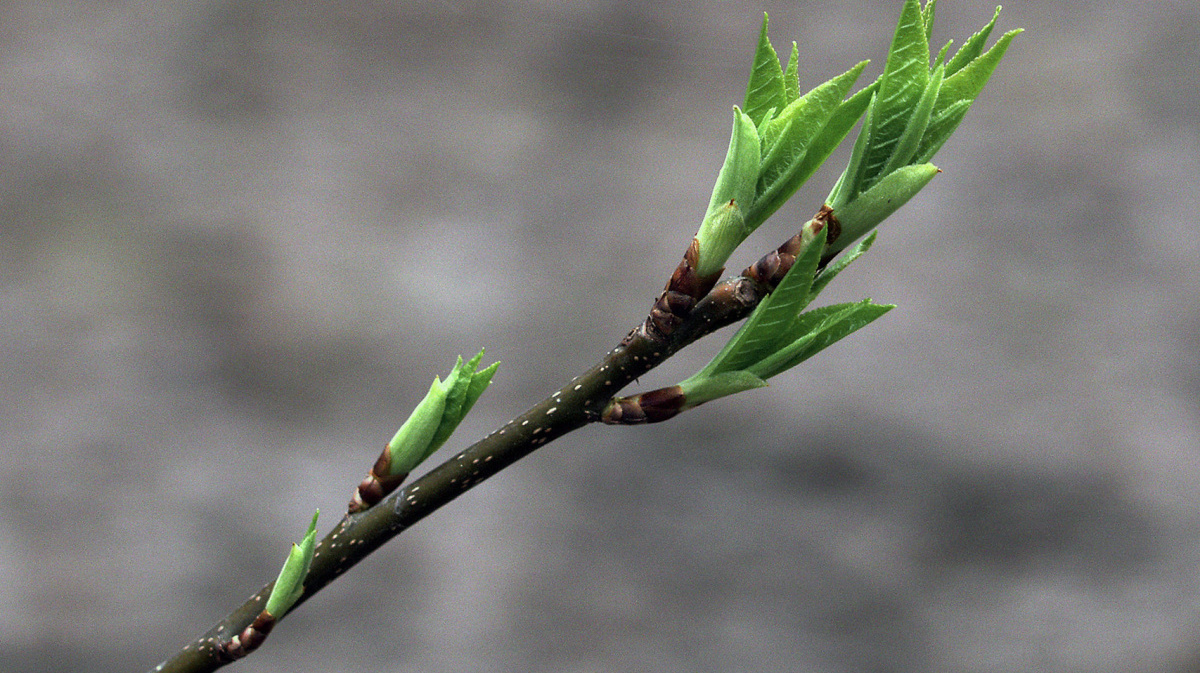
(238, 239)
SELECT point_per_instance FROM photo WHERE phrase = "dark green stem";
(580, 402)
(356, 536)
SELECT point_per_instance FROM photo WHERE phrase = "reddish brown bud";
(668, 312)
(250, 638)
(825, 217)
(377, 484)
(683, 290)
(659, 405)
(649, 407)
(773, 266)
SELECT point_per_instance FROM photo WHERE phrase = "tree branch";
(769, 158)
(580, 402)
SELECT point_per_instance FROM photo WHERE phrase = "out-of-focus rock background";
(238, 239)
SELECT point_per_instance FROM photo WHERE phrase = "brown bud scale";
(825, 217)
(773, 266)
(649, 407)
(682, 292)
(377, 484)
(250, 638)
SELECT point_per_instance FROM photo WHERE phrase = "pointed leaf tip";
(791, 76)
(289, 585)
(799, 139)
(765, 90)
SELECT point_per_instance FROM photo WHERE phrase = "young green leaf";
(835, 267)
(465, 384)
(909, 111)
(720, 233)
(819, 329)
(905, 78)
(906, 147)
(426, 429)
(871, 207)
(700, 389)
(791, 76)
(456, 384)
(411, 443)
(479, 382)
(941, 125)
(802, 337)
(765, 89)
(791, 134)
(927, 16)
(941, 57)
(738, 174)
(847, 115)
(956, 95)
(972, 48)
(851, 180)
(289, 586)
(768, 325)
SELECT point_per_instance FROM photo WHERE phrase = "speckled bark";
(709, 307)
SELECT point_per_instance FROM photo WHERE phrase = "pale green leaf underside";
(821, 328)
(409, 445)
(700, 389)
(736, 181)
(871, 207)
(289, 585)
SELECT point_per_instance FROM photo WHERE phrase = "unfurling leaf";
(912, 113)
(870, 208)
(791, 133)
(437, 416)
(958, 91)
(411, 442)
(766, 88)
(724, 226)
(289, 586)
(904, 81)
